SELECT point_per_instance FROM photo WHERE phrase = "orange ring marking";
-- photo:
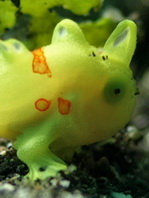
(42, 104)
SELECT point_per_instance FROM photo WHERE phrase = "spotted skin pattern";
(40, 66)
(65, 94)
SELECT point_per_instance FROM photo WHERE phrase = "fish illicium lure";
(65, 94)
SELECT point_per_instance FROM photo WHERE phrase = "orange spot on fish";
(42, 104)
(64, 106)
(39, 63)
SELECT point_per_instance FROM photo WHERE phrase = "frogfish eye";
(114, 90)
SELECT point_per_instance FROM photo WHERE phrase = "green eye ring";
(115, 90)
